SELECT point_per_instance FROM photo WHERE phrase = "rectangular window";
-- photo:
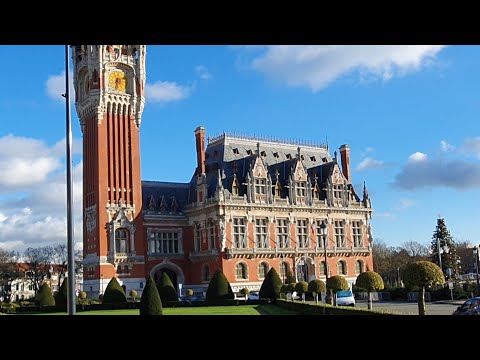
(318, 232)
(197, 237)
(260, 186)
(164, 242)
(261, 239)
(300, 189)
(211, 235)
(302, 234)
(239, 233)
(283, 240)
(357, 233)
(337, 191)
(339, 233)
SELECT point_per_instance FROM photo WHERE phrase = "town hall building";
(252, 203)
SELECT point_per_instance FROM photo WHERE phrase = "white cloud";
(25, 162)
(421, 172)
(369, 163)
(55, 86)
(164, 91)
(406, 203)
(471, 146)
(317, 66)
(445, 146)
(33, 197)
(417, 157)
(385, 214)
(203, 73)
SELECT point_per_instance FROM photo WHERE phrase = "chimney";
(200, 142)
(345, 157)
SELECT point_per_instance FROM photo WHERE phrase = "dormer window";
(275, 155)
(312, 158)
(260, 186)
(235, 151)
(249, 152)
(288, 156)
(263, 153)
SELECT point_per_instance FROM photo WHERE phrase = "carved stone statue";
(221, 233)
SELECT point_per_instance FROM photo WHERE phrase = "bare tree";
(39, 262)
(416, 250)
(59, 259)
(467, 258)
(8, 272)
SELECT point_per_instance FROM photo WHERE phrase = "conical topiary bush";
(45, 296)
(271, 285)
(219, 288)
(150, 303)
(166, 289)
(114, 293)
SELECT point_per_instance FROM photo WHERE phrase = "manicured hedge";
(325, 309)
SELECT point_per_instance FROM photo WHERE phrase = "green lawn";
(203, 310)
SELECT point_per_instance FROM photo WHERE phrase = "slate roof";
(167, 191)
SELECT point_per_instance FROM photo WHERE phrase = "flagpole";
(71, 303)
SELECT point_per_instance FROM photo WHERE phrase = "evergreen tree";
(61, 295)
(166, 289)
(45, 296)
(271, 285)
(219, 288)
(114, 293)
(446, 257)
(150, 303)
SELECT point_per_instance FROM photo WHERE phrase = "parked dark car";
(469, 307)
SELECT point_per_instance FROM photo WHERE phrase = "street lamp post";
(475, 252)
(282, 266)
(324, 232)
(101, 283)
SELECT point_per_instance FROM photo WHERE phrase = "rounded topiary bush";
(189, 293)
(420, 275)
(219, 288)
(166, 289)
(291, 287)
(370, 281)
(82, 295)
(337, 283)
(150, 303)
(114, 293)
(133, 294)
(317, 286)
(271, 285)
(301, 287)
(45, 296)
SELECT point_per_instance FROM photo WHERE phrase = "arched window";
(322, 268)
(284, 271)
(122, 241)
(125, 269)
(342, 267)
(119, 269)
(206, 273)
(241, 272)
(358, 267)
(262, 270)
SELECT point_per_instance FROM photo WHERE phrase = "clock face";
(117, 81)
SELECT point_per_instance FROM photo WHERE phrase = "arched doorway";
(305, 269)
(171, 274)
(173, 271)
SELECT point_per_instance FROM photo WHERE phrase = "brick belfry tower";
(109, 83)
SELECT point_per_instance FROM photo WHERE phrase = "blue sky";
(409, 114)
